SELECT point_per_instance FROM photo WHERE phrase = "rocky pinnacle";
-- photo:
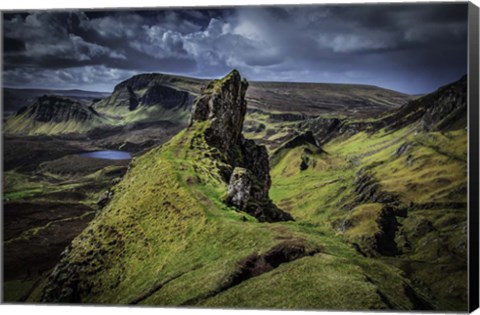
(223, 106)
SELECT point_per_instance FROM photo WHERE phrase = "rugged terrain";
(14, 99)
(160, 97)
(53, 115)
(356, 201)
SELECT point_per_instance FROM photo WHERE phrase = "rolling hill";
(317, 99)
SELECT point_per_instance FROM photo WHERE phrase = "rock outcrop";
(223, 107)
(167, 96)
(304, 138)
(239, 188)
(148, 90)
(442, 110)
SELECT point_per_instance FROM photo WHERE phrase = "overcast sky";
(405, 47)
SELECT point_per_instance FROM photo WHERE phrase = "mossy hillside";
(428, 177)
(339, 251)
(20, 124)
(363, 220)
(54, 115)
(343, 286)
(434, 170)
(315, 194)
(191, 227)
(50, 180)
(120, 116)
(168, 228)
(260, 127)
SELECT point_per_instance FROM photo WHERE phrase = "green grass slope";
(52, 115)
(420, 175)
(167, 238)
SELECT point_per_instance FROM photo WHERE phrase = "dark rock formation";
(121, 97)
(368, 190)
(167, 97)
(305, 163)
(385, 239)
(382, 239)
(255, 264)
(148, 90)
(253, 126)
(105, 198)
(222, 106)
(141, 81)
(304, 138)
(404, 149)
(323, 129)
(65, 283)
(284, 117)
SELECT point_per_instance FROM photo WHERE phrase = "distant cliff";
(54, 115)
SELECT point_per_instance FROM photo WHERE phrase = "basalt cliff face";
(143, 91)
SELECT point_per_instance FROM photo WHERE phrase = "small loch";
(108, 155)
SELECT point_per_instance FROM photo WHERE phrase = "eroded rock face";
(223, 107)
(239, 188)
(169, 98)
(223, 104)
(147, 90)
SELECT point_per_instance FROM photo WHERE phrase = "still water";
(108, 155)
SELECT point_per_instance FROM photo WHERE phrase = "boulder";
(239, 188)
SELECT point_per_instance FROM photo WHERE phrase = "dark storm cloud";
(411, 48)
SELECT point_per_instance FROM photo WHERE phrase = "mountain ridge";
(16, 98)
(154, 96)
(53, 114)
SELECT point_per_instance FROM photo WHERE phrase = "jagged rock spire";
(246, 168)
(223, 104)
